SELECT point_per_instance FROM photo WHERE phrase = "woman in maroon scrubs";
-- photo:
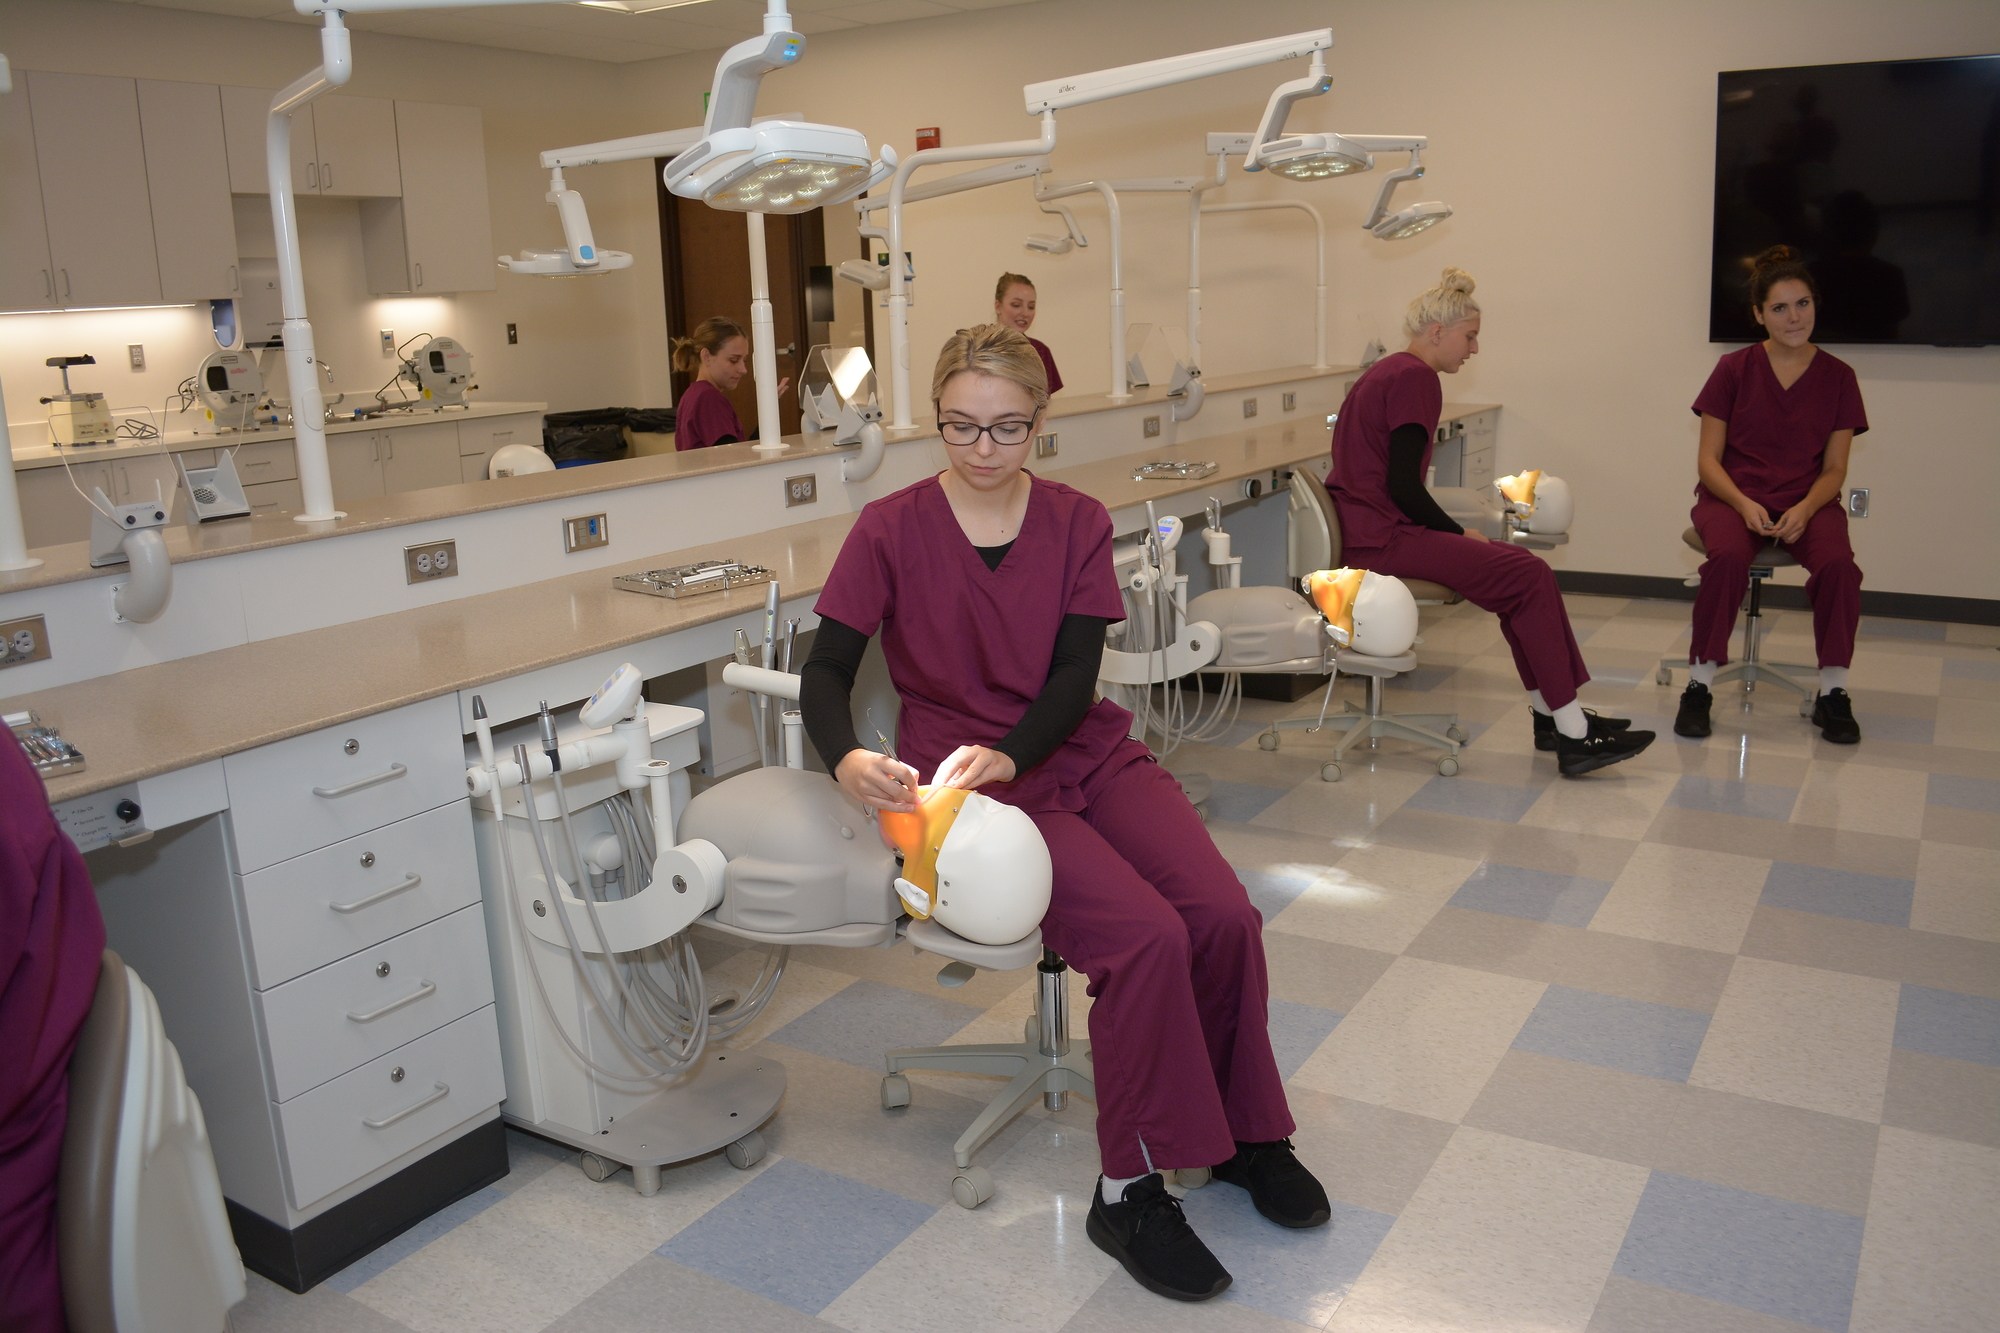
(1777, 420)
(1391, 524)
(991, 589)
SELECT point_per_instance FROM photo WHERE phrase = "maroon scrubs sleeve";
(704, 418)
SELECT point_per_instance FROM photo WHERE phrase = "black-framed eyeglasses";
(968, 432)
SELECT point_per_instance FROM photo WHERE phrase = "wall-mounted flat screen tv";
(1885, 176)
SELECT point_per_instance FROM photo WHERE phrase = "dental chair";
(1749, 666)
(1277, 630)
(142, 1235)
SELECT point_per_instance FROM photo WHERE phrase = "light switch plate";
(585, 532)
(1291, 400)
(1045, 445)
(1857, 502)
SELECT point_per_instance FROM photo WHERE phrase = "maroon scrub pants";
(1507, 580)
(1148, 910)
(1833, 585)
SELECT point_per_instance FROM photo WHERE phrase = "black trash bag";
(597, 434)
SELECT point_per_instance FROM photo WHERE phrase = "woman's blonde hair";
(1447, 303)
(708, 336)
(1009, 281)
(996, 350)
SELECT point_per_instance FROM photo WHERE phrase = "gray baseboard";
(1901, 605)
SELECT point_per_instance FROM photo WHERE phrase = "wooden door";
(706, 253)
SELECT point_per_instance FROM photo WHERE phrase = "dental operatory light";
(1301, 156)
(1407, 222)
(772, 166)
(1417, 217)
(637, 6)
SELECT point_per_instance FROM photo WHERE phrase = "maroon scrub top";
(1048, 363)
(1398, 390)
(1777, 437)
(704, 418)
(968, 647)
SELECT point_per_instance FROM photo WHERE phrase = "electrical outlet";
(23, 641)
(1045, 445)
(388, 337)
(1249, 408)
(1291, 401)
(137, 352)
(1857, 502)
(430, 560)
(513, 335)
(1150, 428)
(801, 490)
(585, 533)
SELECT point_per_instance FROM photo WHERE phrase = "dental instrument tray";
(44, 746)
(1175, 469)
(692, 580)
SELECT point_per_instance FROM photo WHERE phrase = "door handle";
(420, 275)
(312, 175)
(441, 1090)
(66, 291)
(409, 881)
(326, 176)
(392, 772)
(49, 282)
(423, 991)
(232, 279)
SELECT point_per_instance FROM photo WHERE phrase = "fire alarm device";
(929, 136)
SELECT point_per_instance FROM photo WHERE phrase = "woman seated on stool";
(1014, 306)
(717, 354)
(1777, 420)
(991, 589)
(1390, 523)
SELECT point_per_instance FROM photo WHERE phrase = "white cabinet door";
(480, 439)
(93, 170)
(51, 511)
(27, 278)
(187, 172)
(447, 222)
(415, 458)
(246, 114)
(357, 147)
(355, 462)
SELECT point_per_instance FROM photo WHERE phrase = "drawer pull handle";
(392, 772)
(410, 881)
(441, 1090)
(428, 988)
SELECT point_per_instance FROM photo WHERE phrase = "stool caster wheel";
(746, 1152)
(1447, 767)
(1192, 1177)
(1456, 733)
(1329, 772)
(596, 1168)
(1805, 706)
(1664, 676)
(972, 1186)
(895, 1092)
(1267, 740)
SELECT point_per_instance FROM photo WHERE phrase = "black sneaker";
(1692, 719)
(1281, 1188)
(1833, 714)
(1150, 1236)
(1599, 749)
(1546, 733)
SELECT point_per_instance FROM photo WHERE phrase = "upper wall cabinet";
(27, 277)
(438, 237)
(342, 147)
(94, 246)
(187, 172)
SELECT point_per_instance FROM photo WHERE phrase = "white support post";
(763, 340)
(13, 533)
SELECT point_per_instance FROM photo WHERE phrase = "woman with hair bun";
(717, 354)
(1391, 524)
(991, 589)
(1777, 420)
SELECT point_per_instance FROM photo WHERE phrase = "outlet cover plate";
(23, 641)
(1150, 427)
(429, 561)
(1249, 408)
(801, 490)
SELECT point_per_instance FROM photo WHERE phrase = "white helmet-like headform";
(1542, 499)
(976, 866)
(1373, 614)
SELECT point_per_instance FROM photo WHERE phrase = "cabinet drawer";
(267, 460)
(275, 497)
(1478, 469)
(302, 794)
(326, 904)
(485, 436)
(340, 1131)
(347, 1013)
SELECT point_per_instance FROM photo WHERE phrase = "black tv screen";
(1885, 176)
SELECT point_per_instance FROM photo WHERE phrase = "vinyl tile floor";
(1706, 1041)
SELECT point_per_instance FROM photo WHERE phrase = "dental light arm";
(1416, 217)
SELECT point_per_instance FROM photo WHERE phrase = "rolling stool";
(1749, 667)
(1047, 1062)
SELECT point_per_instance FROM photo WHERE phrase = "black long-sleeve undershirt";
(1406, 479)
(826, 689)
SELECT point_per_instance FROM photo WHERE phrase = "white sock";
(1571, 722)
(1702, 673)
(1832, 678)
(1114, 1190)
(1538, 703)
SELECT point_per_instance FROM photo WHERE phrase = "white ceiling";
(597, 34)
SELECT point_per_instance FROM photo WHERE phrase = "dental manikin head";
(976, 866)
(1542, 501)
(1373, 614)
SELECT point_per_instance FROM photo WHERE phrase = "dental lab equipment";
(213, 492)
(837, 393)
(129, 534)
(442, 372)
(76, 417)
(1157, 645)
(1175, 469)
(691, 580)
(230, 386)
(44, 745)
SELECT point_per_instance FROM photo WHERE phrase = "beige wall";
(1574, 137)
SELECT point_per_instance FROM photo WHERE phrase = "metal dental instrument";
(791, 644)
